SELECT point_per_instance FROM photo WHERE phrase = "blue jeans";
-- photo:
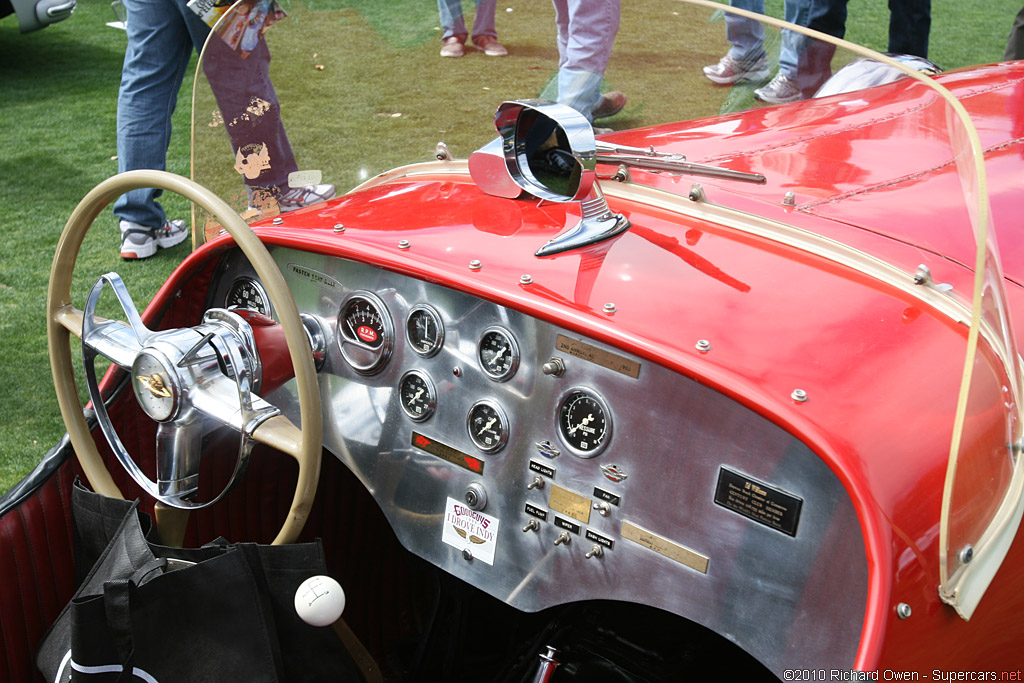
(161, 37)
(745, 36)
(586, 33)
(453, 24)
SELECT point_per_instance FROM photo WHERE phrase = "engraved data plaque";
(765, 504)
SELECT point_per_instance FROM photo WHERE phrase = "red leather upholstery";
(37, 574)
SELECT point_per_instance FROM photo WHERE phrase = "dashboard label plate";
(468, 529)
(314, 276)
(563, 523)
(606, 359)
(663, 546)
(541, 468)
(606, 496)
(447, 453)
(600, 539)
(539, 513)
(763, 503)
(570, 504)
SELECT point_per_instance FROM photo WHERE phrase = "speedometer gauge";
(365, 332)
(248, 294)
(498, 353)
(584, 422)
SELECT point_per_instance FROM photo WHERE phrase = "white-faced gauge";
(417, 394)
(584, 422)
(424, 330)
(366, 334)
(488, 426)
(248, 294)
(498, 353)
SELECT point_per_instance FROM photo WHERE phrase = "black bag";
(223, 612)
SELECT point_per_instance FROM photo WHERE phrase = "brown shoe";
(610, 104)
(453, 47)
(490, 46)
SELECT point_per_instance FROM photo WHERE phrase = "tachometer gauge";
(417, 395)
(365, 332)
(425, 330)
(488, 426)
(247, 293)
(498, 353)
(584, 422)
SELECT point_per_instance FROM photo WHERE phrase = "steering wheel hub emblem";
(156, 386)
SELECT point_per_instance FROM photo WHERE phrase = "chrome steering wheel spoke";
(112, 339)
(185, 380)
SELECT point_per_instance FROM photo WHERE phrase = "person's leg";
(745, 36)
(250, 108)
(484, 20)
(805, 59)
(587, 30)
(910, 22)
(795, 12)
(158, 52)
(1015, 43)
(452, 22)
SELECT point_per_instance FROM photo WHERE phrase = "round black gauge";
(365, 332)
(246, 293)
(425, 330)
(417, 395)
(584, 422)
(498, 353)
(488, 426)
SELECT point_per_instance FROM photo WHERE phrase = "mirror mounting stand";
(598, 223)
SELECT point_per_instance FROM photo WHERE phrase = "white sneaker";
(300, 197)
(729, 71)
(779, 91)
(141, 241)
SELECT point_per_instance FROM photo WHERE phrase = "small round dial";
(365, 332)
(488, 426)
(584, 422)
(425, 330)
(498, 353)
(417, 394)
(248, 294)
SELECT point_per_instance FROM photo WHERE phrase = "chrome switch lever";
(563, 537)
(532, 525)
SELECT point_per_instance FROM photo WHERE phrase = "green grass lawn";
(392, 99)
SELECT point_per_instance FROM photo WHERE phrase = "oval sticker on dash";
(303, 178)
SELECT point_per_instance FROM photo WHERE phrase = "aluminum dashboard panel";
(639, 522)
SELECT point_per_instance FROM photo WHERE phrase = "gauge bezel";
(380, 355)
(432, 313)
(503, 433)
(597, 398)
(260, 289)
(431, 395)
(514, 349)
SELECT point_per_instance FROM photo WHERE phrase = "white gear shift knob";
(319, 601)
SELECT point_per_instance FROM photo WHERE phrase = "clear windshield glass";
(292, 96)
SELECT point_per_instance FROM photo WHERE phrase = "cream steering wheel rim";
(63, 319)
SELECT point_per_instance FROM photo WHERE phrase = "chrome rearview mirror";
(550, 152)
(549, 149)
